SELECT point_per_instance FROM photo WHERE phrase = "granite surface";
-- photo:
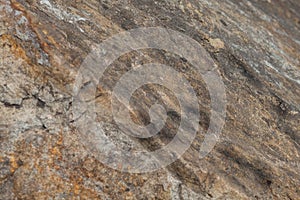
(255, 45)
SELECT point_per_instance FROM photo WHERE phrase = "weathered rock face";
(255, 45)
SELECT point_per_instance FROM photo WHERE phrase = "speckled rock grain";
(256, 46)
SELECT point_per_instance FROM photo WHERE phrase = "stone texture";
(256, 46)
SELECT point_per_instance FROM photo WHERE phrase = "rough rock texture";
(256, 46)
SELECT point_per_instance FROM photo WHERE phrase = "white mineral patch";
(61, 13)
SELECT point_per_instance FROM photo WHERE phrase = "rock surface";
(255, 45)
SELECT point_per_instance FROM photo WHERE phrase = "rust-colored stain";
(57, 73)
(51, 47)
(16, 49)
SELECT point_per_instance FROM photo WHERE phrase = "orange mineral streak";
(16, 49)
(13, 164)
(57, 73)
(32, 25)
